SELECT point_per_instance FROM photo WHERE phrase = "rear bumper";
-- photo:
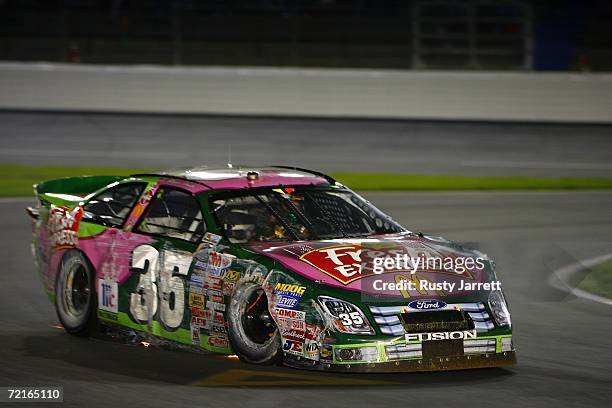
(502, 359)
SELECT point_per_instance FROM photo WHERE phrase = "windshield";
(297, 214)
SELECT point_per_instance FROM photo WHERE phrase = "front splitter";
(503, 359)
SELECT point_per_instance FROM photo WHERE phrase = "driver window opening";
(112, 206)
(175, 214)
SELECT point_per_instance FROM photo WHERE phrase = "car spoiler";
(69, 191)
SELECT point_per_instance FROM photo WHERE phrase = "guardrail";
(436, 95)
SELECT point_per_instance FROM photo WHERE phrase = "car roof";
(238, 176)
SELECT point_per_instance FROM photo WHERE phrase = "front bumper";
(407, 356)
(503, 359)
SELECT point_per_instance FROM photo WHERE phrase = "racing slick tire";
(75, 294)
(252, 333)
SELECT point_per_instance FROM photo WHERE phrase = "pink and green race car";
(273, 264)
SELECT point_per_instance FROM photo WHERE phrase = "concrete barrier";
(438, 95)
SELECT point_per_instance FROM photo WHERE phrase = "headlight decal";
(347, 317)
(499, 309)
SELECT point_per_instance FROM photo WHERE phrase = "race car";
(273, 264)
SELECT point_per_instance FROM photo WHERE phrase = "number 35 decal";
(161, 285)
(349, 319)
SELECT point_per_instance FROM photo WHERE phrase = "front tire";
(75, 294)
(252, 333)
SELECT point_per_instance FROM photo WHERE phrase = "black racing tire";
(75, 294)
(254, 339)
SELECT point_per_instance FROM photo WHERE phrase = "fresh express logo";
(63, 226)
(341, 262)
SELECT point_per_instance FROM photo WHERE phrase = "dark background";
(419, 34)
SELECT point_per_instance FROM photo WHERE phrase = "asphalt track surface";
(418, 147)
(563, 342)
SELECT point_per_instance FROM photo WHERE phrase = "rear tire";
(252, 333)
(75, 294)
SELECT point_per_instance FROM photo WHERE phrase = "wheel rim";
(76, 291)
(256, 320)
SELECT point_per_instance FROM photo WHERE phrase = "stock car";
(273, 264)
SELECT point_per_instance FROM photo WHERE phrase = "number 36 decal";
(161, 285)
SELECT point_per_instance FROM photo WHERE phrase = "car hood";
(350, 264)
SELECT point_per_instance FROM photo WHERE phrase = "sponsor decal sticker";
(140, 207)
(63, 226)
(293, 347)
(196, 289)
(289, 290)
(326, 353)
(199, 312)
(341, 262)
(218, 263)
(228, 287)
(213, 283)
(293, 334)
(108, 298)
(215, 306)
(196, 300)
(288, 324)
(313, 332)
(219, 318)
(195, 335)
(218, 329)
(454, 335)
(311, 350)
(198, 322)
(218, 341)
(427, 304)
(232, 276)
(291, 314)
(286, 302)
(209, 240)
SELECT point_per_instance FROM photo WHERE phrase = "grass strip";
(598, 280)
(406, 182)
(17, 180)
